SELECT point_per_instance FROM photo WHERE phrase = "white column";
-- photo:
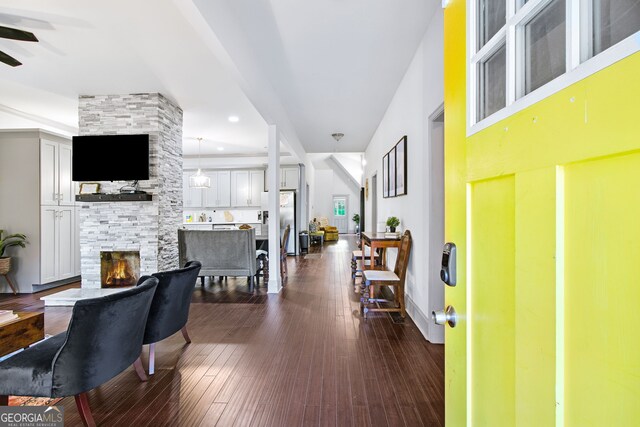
(273, 180)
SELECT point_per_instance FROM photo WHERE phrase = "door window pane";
(545, 46)
(614, 21)
(492, 16)
(492, 83)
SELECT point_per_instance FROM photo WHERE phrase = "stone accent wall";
(148, 227)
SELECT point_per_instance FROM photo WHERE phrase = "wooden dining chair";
(395, 279)
(283, 253)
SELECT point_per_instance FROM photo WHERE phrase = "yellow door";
(545, 209)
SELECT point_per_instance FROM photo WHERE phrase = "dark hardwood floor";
(303, 357)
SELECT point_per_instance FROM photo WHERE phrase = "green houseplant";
(392, 223)
(6, 242)
(356, 218)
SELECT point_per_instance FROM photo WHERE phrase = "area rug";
(33, 401)
(313, 256)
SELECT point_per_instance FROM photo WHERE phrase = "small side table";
(20, 333)
(317, 235)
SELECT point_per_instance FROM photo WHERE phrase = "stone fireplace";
(119, 268)
(147, 228)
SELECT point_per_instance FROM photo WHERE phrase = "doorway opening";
(435, 208)
(340, 213)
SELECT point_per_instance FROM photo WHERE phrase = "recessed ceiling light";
(220, 148)
(234, 119)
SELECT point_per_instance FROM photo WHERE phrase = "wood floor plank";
(304, 357)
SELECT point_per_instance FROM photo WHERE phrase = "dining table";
(375, 241)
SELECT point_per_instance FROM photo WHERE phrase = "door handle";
(449, 316)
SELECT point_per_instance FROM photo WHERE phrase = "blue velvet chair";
(104, 337)
(170, 307)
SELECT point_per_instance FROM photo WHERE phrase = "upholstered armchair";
(170, 307)
(104, 337)
(330, 232)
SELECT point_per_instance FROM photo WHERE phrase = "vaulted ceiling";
(312, 67)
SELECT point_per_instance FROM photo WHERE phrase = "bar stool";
(357, 256)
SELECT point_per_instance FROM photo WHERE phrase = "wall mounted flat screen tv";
(110, 157)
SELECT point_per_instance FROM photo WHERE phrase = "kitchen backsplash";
(218, 216)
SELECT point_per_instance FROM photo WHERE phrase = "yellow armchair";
(330, 232)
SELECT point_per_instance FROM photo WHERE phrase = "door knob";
(448, 316)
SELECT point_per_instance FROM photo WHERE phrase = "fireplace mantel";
(124, 197)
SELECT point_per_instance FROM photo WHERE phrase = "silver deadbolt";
(448, 316)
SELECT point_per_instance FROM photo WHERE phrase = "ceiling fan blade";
(15, 34)
(9, 60)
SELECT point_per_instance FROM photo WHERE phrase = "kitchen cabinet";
(219, 194)
(56, 186)
(288, 178)
(246, 187)
(192, 196)
(57, 243)
(236, 188)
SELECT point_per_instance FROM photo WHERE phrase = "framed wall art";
(401, 166)
(392, 172)
(385, 176)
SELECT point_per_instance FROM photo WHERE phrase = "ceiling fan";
(14, 34)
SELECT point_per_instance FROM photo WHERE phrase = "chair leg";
(140, 370)
(185, 334)
(364, 298)
(152, 358)
(82, 402)
(4, 400)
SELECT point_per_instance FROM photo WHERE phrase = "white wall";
(328, 182)
(420, 93)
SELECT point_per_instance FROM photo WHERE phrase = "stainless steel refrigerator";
(288, 217)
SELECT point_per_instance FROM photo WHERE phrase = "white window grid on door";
(580, 61)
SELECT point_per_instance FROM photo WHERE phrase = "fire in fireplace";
(119, 268)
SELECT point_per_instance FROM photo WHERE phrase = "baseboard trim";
(423, 322)
(44, 287)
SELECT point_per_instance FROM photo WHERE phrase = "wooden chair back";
(285, 240)
(402, 262)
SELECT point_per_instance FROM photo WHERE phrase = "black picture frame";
(392, 172)
(385, 176)
(401, 167)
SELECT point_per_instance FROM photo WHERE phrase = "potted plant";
(6, 242)
(392, 223)
(356, 219)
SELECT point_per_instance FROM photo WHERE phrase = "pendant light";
(199, 180)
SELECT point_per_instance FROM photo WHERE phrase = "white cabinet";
(57, 243)
(192, 196)
(246, 188)
(239, 188)
(51, 223)
(289, 178)
(56, 186)
(218, 195)
(256, 187)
